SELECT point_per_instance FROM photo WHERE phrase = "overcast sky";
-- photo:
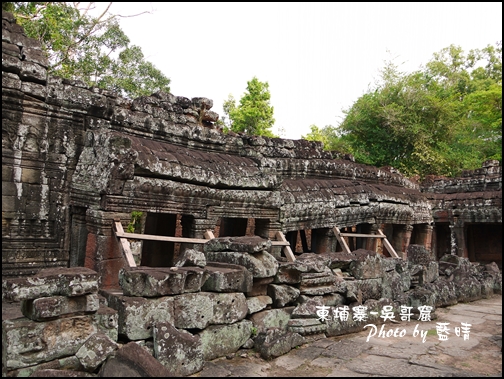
(318, 58)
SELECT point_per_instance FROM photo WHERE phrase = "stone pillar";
(458, 243)
(401, 238)
(424, 236)
(323, 240)
(371, 242)
(263, 228)
(408, 229)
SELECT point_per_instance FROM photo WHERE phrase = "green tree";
(329, 136)
(92, 49)
(441, 119)
(254, 114)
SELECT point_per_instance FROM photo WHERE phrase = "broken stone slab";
(289, 272)
(251, 245)
(271, 318)
(258, 303)
(319, 290)
(146, 281)
(418, 254)
(30, 342)
(54, 373)
(260, 264)
(132, 360)
(225, 277)
(95, 351)
(260, 287)
(314, 262)
(178, 350)
(282, 294)
(370, 288)
(468, 289)
(58, 281)
(191, 257)
(228, 308)
(274, 343)
(339, 260)
(221, 340)
(444, 291)
(54, 306)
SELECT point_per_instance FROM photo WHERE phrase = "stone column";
(323, 240)
(401, 238)
(458, 243)
(371, 242)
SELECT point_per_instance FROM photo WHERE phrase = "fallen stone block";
(366, 265)
(306, 326)
(260, 287)
(282, 294)
(224, 277)
(145, 281)
(54, 306)
(221, 340)
(95, 351)
(260, 265)
(418, 254)
(59, 281)
(132, 360)
(258, 303)
(178, 350)
(29, 342)
(274, 343)
(248, 244)
(228, 308)
(271, 318)
(191, 257)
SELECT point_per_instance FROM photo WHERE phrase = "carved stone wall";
(74, 159)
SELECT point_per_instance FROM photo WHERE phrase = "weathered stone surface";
(74, 281)
(306, 326)
(272, 318)
(260, 287)
(68, 364)
(160, 281)
(228, 308)
(221, 340)
(340, 260)
(444, 292)
(313, 262)
(308, 307)
(370, 288)
(258, 303)
(132, 360)
(468, 289)
(366, 265)
(194, 310)
(29, 342)
(276, 342)
(224, 277)
(136, 315)
(260, 265)
(55, 373)
(251, 245)
(191, 257)
(178, 350)
(54, 306)
(95, 351)
(418, 254)
(282, 294)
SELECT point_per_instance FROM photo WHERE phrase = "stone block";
(68, 364)
(260, 265)
(54, 306)
(191, 257)
(306, 326)
(271, 318)
(260, 287)
(221, 340)
(161, 281)
(282, 294)
(366, 266)
(370, 288)
(30, 343)
(225, 277)
(251, 245)
(132, 360)
(418, 254)
(274, 343)
(178, 350)
(308, 307)
(228, 308)
(193, 310)
(95, 351)
(136, 315)
(74, 281)
(258, 303)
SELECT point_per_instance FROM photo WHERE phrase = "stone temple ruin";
(238, 239)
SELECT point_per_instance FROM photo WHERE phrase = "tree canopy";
(254, 114)
(441, 119)
(92, 49)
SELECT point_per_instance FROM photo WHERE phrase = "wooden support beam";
(209, 235)
(362, 235)
(304, 243)
(387, 245)
(341, 240)
(151, 237)
(125, 245)
(286, 248)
